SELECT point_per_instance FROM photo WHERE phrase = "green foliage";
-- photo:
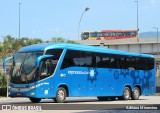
(11, 45)
(59, 39)
(3, 91)
(3, 84)
(3, 81)
(71, 42)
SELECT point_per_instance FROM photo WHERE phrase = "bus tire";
(135, 93)
(35, 100)
(60, 95)
(102, 98)
(126, 94)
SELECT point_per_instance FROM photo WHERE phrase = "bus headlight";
(32, 93)
(32, 87)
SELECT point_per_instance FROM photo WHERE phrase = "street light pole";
(137, 22)
(86, 9)
(19, 20)
(157, 40)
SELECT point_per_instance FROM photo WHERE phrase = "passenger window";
(122, 62)
(131, 63)
(141, 63)
(71, 59)
(150, 63)
(114, 61)
(45, 68)
(74, 58)
(87, 59)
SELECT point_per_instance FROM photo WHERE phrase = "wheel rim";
(61, 94)
(126, 94)
(136, 93)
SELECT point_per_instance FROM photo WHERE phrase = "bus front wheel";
(35, 100)
(60, 95)
(135, 93)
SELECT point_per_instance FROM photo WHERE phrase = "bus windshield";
(24, 67)
(85, 36)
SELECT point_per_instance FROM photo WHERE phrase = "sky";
(60, 18)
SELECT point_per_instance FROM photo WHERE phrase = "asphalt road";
(88, 104)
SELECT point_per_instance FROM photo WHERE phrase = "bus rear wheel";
(35, 100)
(135, 93)
(126, 94)
(60, 95)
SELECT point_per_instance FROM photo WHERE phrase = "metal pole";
(157, 41)
(137, 18)
(19, 20)
(86, 9)
(137, 22)
(6, 80)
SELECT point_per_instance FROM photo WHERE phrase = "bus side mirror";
(5, 61)
(38, 60)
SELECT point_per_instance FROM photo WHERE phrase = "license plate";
(19, 94)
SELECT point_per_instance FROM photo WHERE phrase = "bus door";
(45, 64)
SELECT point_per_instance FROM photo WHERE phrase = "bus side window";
(87, 59)
(122, 62)
(102, 60)
(114, 61)
(141, 63)
(150, 63)
(71, 59)
(54, 60)
(45, 68)
(131, 63)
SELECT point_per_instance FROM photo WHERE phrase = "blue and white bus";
(60, 70)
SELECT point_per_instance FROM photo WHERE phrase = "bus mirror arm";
(5, 61)
(38, 60)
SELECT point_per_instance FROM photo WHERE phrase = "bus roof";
(118, 30)
(46, 46)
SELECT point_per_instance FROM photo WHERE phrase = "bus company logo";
(92, 73)
(78, 72)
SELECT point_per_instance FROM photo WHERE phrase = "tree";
(59, 39)
(71, 41)
(6, 46)
(36, 41)
(11, 45)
